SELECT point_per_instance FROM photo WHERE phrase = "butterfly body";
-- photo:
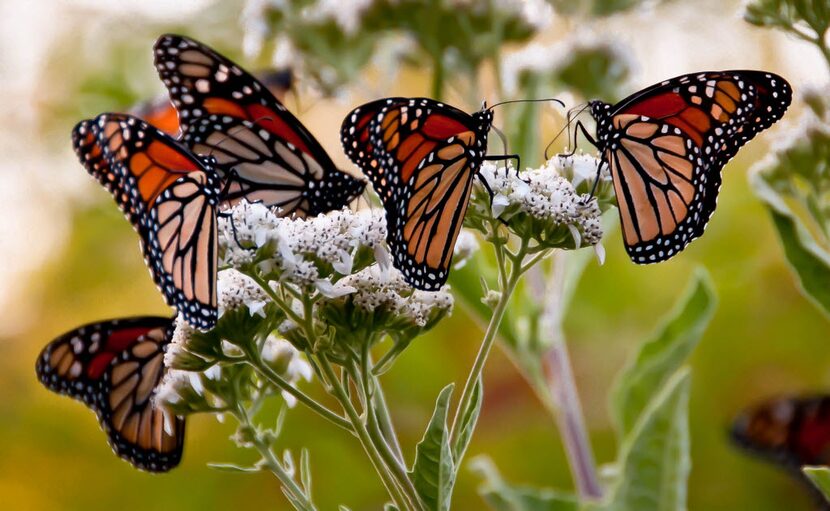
(114, 367)
(264, 153)
(421, 157)
(666, 146)
(171, 198)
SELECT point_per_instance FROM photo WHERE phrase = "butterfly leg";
(581, 127)
(231, 176)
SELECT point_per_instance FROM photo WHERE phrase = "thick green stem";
(395, 488)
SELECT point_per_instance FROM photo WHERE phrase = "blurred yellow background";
(69, 257)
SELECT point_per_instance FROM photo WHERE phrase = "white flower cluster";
(236, 289)
(347, 15)
(299, 243)
(546, 194)
(543, 59)
(383, 288)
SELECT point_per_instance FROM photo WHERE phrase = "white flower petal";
(599, 250)
(500, 202)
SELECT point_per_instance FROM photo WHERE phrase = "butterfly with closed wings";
(114, 367)
(421, 157)
(666, 146)
(169, 196)
(264, 153)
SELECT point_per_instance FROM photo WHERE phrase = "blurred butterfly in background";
(790, 432)
(263, 151)
(169, 196)
(421, 157)
(161, 113)
(666, 146)
(114, 367)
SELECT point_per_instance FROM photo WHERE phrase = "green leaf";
(503, 496)
(819, 476)
(467, 423)
(433, 472)
(661, 356)
(654, 458)
(808, 260)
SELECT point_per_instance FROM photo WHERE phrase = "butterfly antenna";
(542, 100)
(570, 116)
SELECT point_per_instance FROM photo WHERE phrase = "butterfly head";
(484, 118)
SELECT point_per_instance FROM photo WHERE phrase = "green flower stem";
(296, 494)
(371, 388)
(508, 285)
(397, 489)
(275, 379)
(385, 420)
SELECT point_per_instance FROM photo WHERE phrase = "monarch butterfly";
(666, 146)
(162, 114)
(227, 113)
(421, 157)
(790, 431)
(169, 196)
(114, 368)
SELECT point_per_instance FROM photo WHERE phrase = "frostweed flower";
(299, 251)
(385, 290)
(541, 204)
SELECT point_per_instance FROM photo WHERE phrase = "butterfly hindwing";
(219, 103)
(666, 146)
(114, 367)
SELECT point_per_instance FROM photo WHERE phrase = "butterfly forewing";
(115, 367)
(219, 103)
(170, 197)
(667, 144)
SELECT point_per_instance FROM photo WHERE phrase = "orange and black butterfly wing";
(170, 197)
(667, 144)
(226, 112)
(161, 113)
(421, 157)
(789, 431)
(114, 367)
